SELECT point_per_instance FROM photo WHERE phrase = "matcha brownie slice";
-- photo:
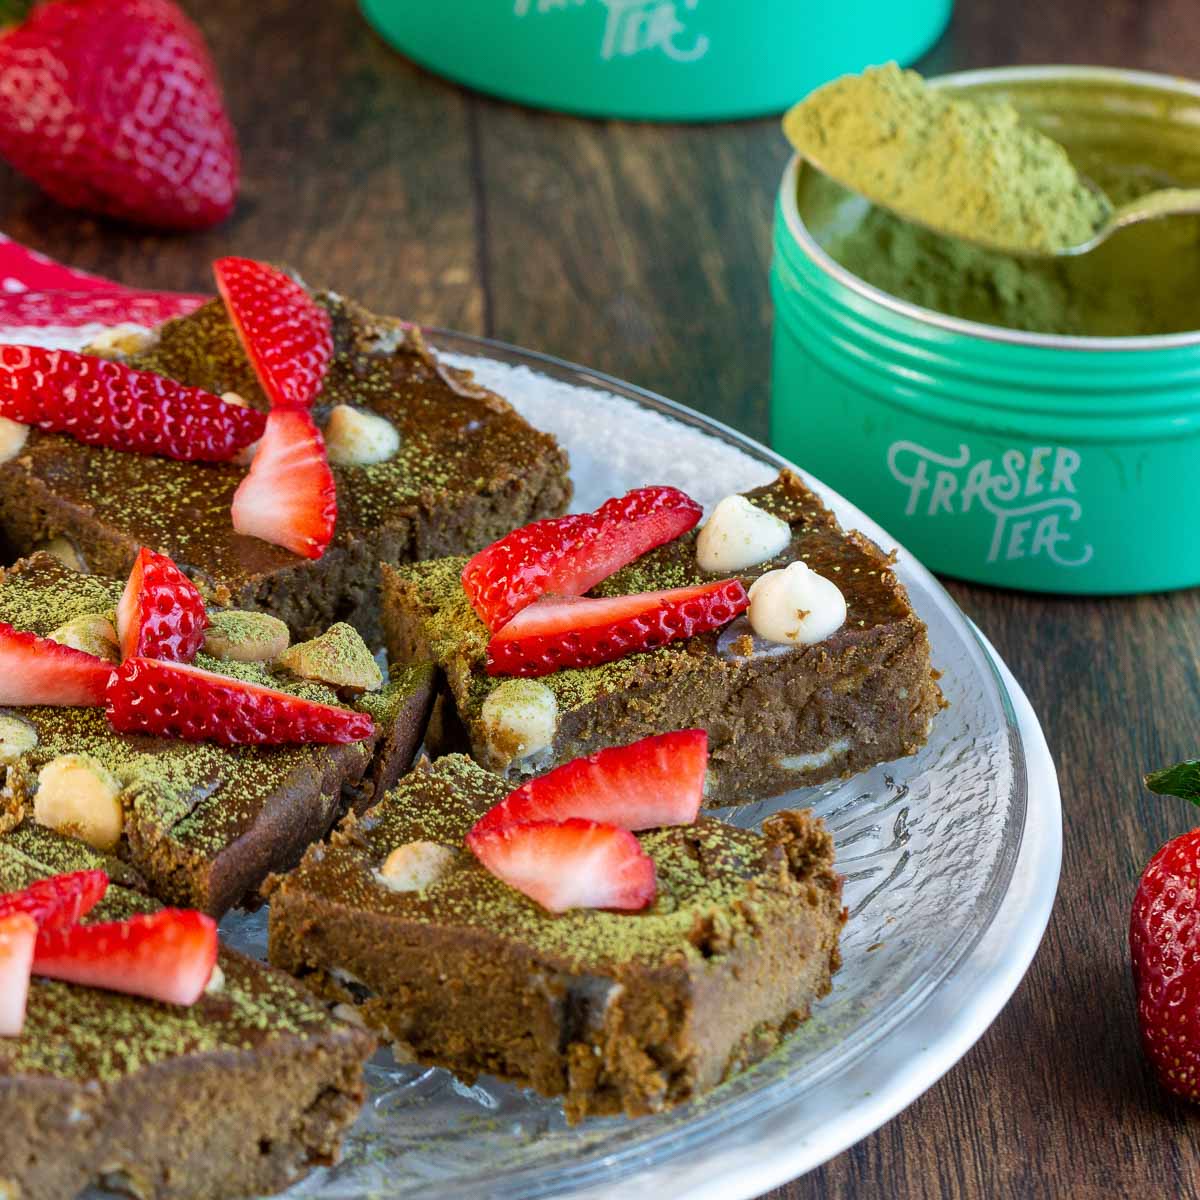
(615, 1012)
(239, 1095)
(426, 463)
(780, 711)
(203, 823)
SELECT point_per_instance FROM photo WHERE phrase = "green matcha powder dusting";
(968, 169)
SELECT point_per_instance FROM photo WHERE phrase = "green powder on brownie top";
(965, 168)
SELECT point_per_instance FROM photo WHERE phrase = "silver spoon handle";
(1166, 203)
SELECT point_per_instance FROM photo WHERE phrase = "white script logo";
(1023, 527)
(635, 26)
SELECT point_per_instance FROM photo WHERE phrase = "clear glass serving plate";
(928, 846)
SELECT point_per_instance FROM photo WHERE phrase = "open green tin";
(1039, 461)
(679, 60)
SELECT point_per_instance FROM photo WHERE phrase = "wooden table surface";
(643, 251)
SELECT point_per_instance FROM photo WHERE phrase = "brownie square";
(469, 469)
(615, 1012)
(239, 1095)
(777, 717)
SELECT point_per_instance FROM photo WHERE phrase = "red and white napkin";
(45, 303)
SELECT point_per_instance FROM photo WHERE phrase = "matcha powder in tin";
(964, 168)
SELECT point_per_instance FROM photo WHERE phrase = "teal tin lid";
(1027, 460)
(676, 60)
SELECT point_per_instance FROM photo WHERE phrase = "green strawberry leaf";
(13, 12)
(1183, 780)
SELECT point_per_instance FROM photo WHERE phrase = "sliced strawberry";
(175, 700)
(167, 955)
(18, 934)
(35, 670)
(287, 337)
(104, 403)
(568, 556)
(161, 614)
(569, 864)
(575, 632)
(657, 781)
(59, 901)
(289, 497)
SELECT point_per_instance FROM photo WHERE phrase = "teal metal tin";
(1048, 463)
(687, 60)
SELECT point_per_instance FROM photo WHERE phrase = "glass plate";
(928, 846)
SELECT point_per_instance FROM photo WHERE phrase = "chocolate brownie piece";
(205, 824)
(615, 1012)
(469, 469)
(239, 1095)
(777, 716)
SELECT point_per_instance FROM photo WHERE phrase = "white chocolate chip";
(93, 634)
(740, 535)
(817, 759)
(79, 796)
(17, 737)
(65, 551)
(122, 340)
(12, 439)
(238, 636)
(234, 399)
(415, 866)
(796, 606)
(356, 438)
(216, 981)
(339, 658)
(520, 718)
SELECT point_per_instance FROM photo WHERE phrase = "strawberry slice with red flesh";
(287, 337)
(161, 613)
(289, 497)
(653, 782)
(569, 864)
(59, 901)
(35, 670)
(167, 955)
(552, 634)
(104, 403)
(568, 556)
(180, 701)
(18, 935)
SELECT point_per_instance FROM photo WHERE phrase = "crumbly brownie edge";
(236, 1123)
(636, 1039)
(195, 865)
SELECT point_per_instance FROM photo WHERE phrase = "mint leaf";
(1183, 779)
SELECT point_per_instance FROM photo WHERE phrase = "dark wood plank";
(356, 170)
(636, 249)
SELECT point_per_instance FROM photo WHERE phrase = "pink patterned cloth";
(36, 291)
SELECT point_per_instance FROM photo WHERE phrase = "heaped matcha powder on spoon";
(966, 169)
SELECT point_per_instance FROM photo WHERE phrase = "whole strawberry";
(113, 106)
(1164, 943)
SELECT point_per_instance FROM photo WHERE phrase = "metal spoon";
(1153, 206)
